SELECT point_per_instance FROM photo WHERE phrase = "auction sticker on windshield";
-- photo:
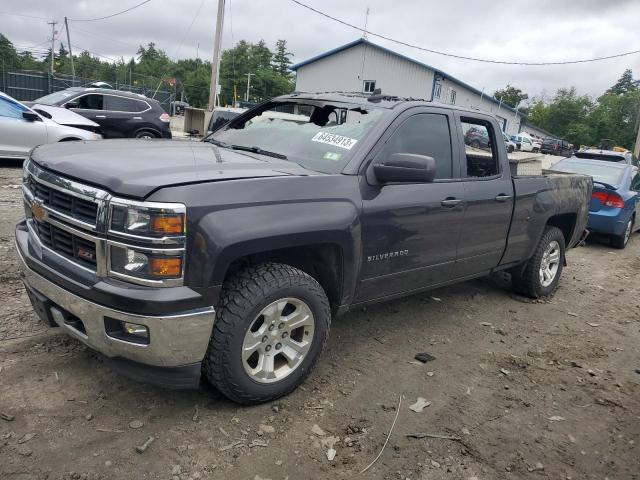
(336, 140)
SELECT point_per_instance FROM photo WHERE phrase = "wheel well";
(147, 129)
(565, 222)
(323, 262)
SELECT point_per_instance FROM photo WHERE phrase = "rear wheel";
(541, 273)
(271, 326)
(620, 241)
(145, 134)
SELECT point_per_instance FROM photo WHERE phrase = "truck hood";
(136, 168)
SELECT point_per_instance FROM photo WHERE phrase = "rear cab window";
(480, 148)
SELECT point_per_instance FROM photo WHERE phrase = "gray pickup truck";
(228, 258)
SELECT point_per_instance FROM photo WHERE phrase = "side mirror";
(71, 105)
(406, 167)
(31, 116)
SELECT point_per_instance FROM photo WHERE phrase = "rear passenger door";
(410, 230)
(488, 197)
(124, 116)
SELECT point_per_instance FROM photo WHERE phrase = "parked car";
(178, 107)
(615, 202)
(553, 146)
(476, 138)
(119, 114)
(21, 129)
(605, 155)
(524, 142)
(289, 223)
(511, 145)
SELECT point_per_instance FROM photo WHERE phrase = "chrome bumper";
(175, 340)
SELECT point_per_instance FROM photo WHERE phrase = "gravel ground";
(525, 390)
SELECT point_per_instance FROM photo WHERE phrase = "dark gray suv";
(119, 114)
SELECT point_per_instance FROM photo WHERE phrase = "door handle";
(450, 202)
(101, 116)
(502, 197)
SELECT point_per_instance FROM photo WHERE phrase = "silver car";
(21, 129)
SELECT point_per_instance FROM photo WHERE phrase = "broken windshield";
(318, 137)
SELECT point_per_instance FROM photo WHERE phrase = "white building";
(362, 66)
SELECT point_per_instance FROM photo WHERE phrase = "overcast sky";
(513, 30)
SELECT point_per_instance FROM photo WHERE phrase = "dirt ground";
(526, 390)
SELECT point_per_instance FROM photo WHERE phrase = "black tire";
(526, 279)
(146, 134)
(474, 144)
(620, 241)
(243, 297)
(510, 149)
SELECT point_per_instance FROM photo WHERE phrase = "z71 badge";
(387, 255)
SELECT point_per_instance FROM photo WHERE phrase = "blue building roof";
(363, 41)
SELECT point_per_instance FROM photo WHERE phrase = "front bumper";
(177, 342)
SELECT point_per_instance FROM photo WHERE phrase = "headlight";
(145, 264)
(148, 220)
(146, 242)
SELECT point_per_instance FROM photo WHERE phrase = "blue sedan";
(615, 202)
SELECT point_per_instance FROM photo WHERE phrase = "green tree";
(281, 61)
(510, 95)
(8, 55)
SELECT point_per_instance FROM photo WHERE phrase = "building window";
(437, 90)
(452, 97)
(369, 86)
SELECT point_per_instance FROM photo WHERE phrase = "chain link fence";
(26, 85)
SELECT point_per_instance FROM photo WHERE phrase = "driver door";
(410, 231)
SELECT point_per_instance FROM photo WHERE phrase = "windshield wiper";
(258, 150)
(217, 142)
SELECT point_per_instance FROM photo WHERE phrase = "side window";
(423, 134)
(10, 109)
(123, 104)
(452, 98)
(91, 102)
(482, 157)
(369, 86)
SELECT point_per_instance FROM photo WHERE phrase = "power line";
(104, 37)
(109, 16)
(462, 57)
(11, 14)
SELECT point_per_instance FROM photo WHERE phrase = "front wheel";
(541, 273)
(271, 326)
(620, 241)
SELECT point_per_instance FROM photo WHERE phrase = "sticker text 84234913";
(336, 140)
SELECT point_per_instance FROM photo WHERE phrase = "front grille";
(66, 243)
(70, 205)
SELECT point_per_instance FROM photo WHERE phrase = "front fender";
(223, 236)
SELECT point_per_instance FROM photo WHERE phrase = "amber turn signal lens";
(165, 267)
(168, 224)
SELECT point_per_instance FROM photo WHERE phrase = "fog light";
(126, 331)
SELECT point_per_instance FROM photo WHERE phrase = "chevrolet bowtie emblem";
(38, 211)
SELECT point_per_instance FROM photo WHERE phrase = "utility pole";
(246, 95)
(53, 24)
(215, 64)
(73, 69)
